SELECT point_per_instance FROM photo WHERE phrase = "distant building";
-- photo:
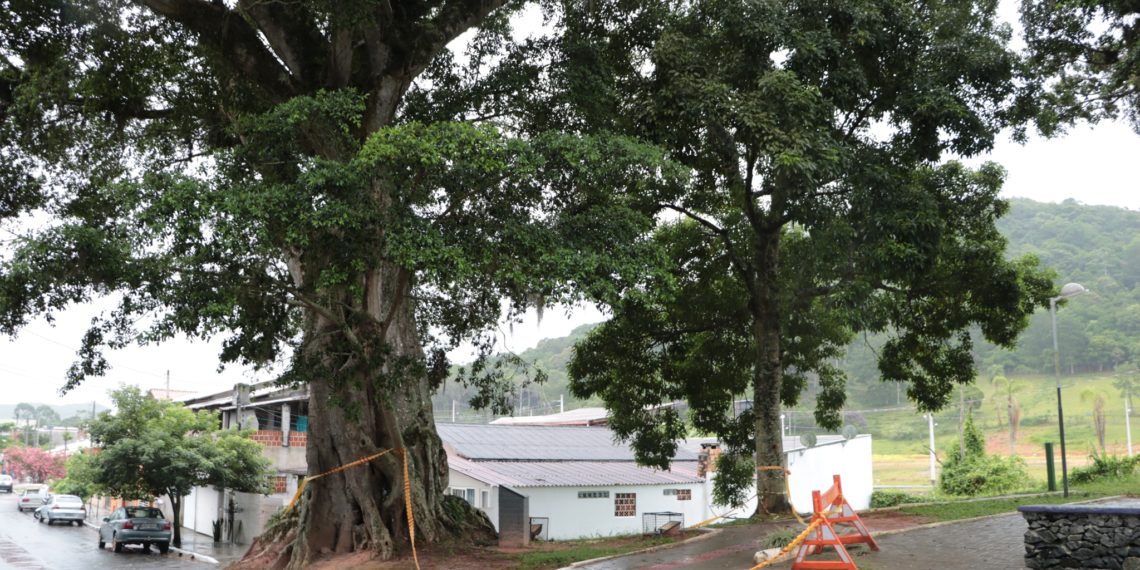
(279, 418)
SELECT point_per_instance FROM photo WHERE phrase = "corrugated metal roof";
(567, 473)
(580, 416)
(539, 443)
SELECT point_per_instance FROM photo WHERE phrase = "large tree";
(820, 206)
(250, 170)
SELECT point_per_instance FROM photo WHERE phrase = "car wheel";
(102, 544)
(116, 545)
(164, 547)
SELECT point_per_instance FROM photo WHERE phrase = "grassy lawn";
(963, 510)
(567, 552)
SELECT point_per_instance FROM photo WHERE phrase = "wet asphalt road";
(26, 544)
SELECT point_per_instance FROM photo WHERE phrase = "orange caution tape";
(362, 461)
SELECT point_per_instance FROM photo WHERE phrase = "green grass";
(956, 510)
(582, 550)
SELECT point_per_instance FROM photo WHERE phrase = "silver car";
(135, 525)
(31, 499)
(62, 508)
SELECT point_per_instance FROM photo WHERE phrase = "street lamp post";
(1069, 290)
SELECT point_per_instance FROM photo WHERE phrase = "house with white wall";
(279, 418)
(581, 483)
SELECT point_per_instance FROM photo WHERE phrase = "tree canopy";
(323, 186)
(150, 448)
(820, 205)
(1084, 61)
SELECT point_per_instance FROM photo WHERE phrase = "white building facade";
(581, 484)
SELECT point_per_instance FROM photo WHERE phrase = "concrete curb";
(705, 534)
(193, 555)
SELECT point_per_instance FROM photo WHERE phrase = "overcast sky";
(1094, 165)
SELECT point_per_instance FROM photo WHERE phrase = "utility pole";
(453, 411)
(168, 385)
(933, 457)
(561, 403)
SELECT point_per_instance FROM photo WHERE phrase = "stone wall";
(1082, 536)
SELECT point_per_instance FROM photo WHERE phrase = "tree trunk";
(767, 379)
(380, 402)
(176, 519)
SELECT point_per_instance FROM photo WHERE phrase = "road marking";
(15, 555)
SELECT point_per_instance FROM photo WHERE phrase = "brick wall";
(268, 438)
(279, 484)
(272, 438)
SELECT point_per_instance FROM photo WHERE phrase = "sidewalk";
(993, 543)
(224, 553)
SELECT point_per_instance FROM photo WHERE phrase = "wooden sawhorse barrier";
(831, 510)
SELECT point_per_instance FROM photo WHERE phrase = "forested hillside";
(1096, 246)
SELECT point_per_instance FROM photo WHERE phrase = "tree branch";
(453, 18)
(227, 32)
(290, 36)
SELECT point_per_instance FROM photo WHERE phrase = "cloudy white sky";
(1094, 165)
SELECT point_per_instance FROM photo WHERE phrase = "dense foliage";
(35, 463)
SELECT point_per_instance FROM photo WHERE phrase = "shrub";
(1104, 466)
(975, 473)
(984, 475)
(880, 499)
(779, 538)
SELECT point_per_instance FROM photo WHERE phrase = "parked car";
(6, 483)
(31, 499)
(62, 508)
(135, 525)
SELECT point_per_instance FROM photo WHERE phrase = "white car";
(6, 483)
(31, 499)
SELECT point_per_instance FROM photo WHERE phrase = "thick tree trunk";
(768, 379)
(379, 399)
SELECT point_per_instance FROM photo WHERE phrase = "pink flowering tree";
(33, 462)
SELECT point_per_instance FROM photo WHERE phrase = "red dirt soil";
(440, 557)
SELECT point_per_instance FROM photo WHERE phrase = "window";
(625, 504)
(465, 494)
(485, 497)
(681, 494)
(593, 494)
